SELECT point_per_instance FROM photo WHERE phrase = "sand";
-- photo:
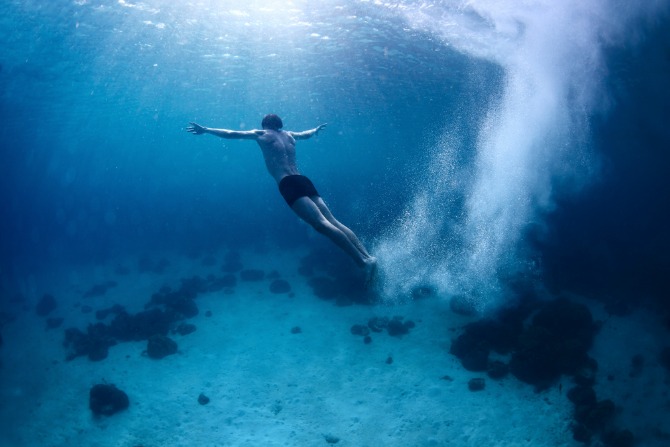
(267, 386)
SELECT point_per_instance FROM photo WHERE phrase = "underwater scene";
(336, 222)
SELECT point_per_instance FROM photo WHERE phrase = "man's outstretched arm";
(307, 133)
(197, 129)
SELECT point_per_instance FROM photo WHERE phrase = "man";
(278, 147)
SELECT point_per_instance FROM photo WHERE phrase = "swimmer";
(278, 147)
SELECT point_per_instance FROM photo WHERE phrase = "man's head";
(272, 122)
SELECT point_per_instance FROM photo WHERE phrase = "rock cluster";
(105, 400)
(165, 311)
(556, 342)
(99, 289)
(545, 341)
(334, 278)
(395, 327)
(46, 305)
(159, 346)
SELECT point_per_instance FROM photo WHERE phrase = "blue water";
(470, 145)
(452, 130)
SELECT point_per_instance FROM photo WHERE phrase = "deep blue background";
(613, 241)
(96, 162)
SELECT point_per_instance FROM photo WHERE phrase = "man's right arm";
(197, 129)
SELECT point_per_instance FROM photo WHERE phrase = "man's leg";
(308, 211)
(350, 234)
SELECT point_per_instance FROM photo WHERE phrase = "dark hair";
(272, 121)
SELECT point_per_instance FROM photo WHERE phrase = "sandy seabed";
(267, 385)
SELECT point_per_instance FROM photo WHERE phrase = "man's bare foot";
(370, 271)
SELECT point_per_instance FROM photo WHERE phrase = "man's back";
(278, 149)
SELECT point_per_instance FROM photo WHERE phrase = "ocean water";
(475, 147)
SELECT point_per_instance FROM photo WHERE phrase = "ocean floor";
(272, 385)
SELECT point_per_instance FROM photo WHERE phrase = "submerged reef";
(333, 278)
(395, 327)
(164, 312)
(106, 400)
(556, 341)
(544, 341)
(46, 305)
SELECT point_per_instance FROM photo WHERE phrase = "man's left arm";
(307, 133)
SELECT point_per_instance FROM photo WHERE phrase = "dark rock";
(497, 369)
(94, 343)
(185, 329)
(324, 288)
(185, 306)
(396, 327)
(555, 343)
(359, 329)
(208, 313)
(296, 330)
(225, 282)
(377, 324)
(664, 358)
(582, 395)
(53, 323)
(160, 346)
(142, 325)
(472, 351)
(202, 399)
(367, 339)
(476, 384)
(75, 341)
(99, 289)
(114, 310)
(463, 305)
(595, 416)
(330, 439)
(389, 360)
(46, 305)
(252, 275)
(181, 301)
(98, 350)
(586, 376)
(618, 438)
(232, 262)
(280, 286)
(581, 434)
(99, 341)
(473, 346)
(105, 400)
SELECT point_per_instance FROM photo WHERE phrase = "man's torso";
(278, 149)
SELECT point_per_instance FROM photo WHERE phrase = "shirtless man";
(278, 147)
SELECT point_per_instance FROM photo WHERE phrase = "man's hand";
(319, 127)
(195, 129)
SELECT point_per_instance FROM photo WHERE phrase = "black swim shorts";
(292, 187)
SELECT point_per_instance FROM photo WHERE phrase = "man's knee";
(321, 225)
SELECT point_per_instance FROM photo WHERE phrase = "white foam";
(534, 134)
